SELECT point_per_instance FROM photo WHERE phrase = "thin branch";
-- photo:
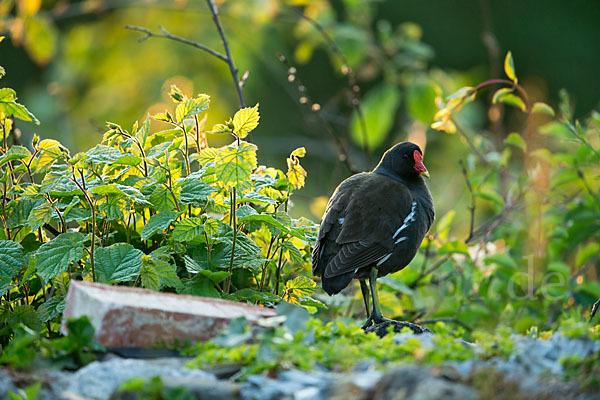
(166, 35)
(316, 109)
(472, 207)
(431, 269)
(347, 71)
(229, 58)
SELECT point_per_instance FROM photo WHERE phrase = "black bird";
(374, 224)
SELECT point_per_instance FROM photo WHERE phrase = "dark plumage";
(374, 224)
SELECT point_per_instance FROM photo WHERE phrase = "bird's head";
(404, 160)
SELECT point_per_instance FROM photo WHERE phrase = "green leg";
(365, 294)
(376, 315)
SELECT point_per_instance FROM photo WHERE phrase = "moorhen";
(374, 224)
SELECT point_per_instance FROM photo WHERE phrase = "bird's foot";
(381, 327)
(375, 321)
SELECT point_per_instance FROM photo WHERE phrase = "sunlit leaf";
(514, 139)
(234, 165)
(509, 67)
(190, 107)
(498, 94)
(245, 120)
(296, 174)
(539, 107)
(195, 192)
(10, 107)
(513, 100)
(39, 216)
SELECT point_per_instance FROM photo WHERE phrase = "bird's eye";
(406, 156)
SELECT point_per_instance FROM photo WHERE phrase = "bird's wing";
(367, 223)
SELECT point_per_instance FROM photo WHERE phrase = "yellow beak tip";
(425, 174)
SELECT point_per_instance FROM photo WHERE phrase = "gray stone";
(437, 389)
(99, 380)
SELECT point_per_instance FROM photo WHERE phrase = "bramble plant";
(161, 210)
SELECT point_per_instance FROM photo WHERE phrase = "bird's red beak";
(419, 167)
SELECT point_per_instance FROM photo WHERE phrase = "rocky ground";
(534, 371)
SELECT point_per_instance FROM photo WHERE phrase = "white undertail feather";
(384, 259)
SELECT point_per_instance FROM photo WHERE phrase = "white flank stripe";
(341, 220)
(409, 218)
(384, 259)
(402, 239)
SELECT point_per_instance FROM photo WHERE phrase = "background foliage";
(187, 201)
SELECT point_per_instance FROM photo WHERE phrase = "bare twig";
(431, 269)
(316, 109)
(166, 35)
(229, 59)
(349, 73)
(472, 207)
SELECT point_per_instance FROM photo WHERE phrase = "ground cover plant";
(157, 206)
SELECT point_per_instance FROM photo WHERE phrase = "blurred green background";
(75, 66)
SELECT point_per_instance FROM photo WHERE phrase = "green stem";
(93, 210)
(234, 226)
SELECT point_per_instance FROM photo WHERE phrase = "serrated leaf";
(142, 134)
(120, 262)
(15, 153)
(51, 308)
(149, 276)
(211, 227)
(188, 229)
(162, 199)
(158, 223)
(300, 286)
(514, 139)
(11, 261)
(39, 216)
(190, 107)
(299, 152)
(10, 107)
(222, 128)
(164, 117)
(24, 314)
(207, 155)
(234, 165)
(295, 174)
(245, 120)
(509, 67)
(195, 192)
(55, 256)
(539, 107)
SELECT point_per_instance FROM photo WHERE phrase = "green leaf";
(190, 107)
(300, 286)
(501, 259)
(188, 229)
(39, 216)
(498, 94)
(149, 276)
(514, 139)
(10, 107)
(539, 107)
(55, 256)
(420, 100)
(120, 262)
(234, 165)
(11, 261)
(509, 67)
(491, 196)
(51, 309)
(15, 153)
(245, 120)
(215, 276)
(556, 129)
(26, 315)
(195, 192)
(162, 199)
(158, 223)
(455, 246)
(513, 100)
(379, 112)
(40, 38)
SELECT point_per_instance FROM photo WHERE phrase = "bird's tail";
(337, 283)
